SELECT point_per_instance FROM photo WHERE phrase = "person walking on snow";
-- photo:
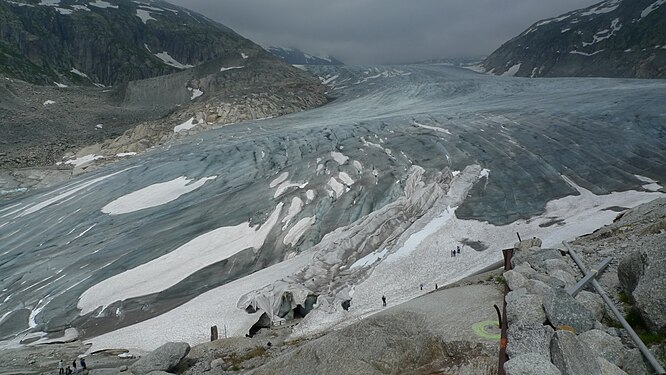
(458, 249)
(421, 286)
(82, 361)
(384, 301)
(61, 367)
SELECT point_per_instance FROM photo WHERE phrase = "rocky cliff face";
(615, 38)
(100, 42)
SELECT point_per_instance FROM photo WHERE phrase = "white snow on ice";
(191, 321)
(279, 179)
(337, 187)
(651, 185)
(433, 127)
(154, 195)
(370, 258)
(295, 207)
(344, 177)
(339, 157)
(168, 270)
(286, 185)
(298, 230)
(244, 56)
(123, 154)
(49, 102)
(310, 194)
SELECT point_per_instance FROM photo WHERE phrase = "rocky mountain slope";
(107, 42)
(295, 56)
(59, 59)
(614, 38)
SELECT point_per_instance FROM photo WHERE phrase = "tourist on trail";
(384, 301)
(435, 286)
(83, 363)
(421, 286)
(74, 364)
(61, 367)
(68, 371)
(458, 249)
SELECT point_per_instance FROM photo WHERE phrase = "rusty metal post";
(504, 326)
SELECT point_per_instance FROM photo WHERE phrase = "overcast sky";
(382, 31)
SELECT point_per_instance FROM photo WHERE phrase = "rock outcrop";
(164, 358)
(642, 275)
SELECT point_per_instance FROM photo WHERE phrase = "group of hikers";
(68, 370)
(455, 251)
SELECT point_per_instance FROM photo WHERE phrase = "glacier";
(406, 163)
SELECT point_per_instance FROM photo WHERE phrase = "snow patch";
(298, 230)
(370, 258)
(168, 270)
(103, 4)
(337, 187)
(154, 195)
(652, 7)
(279, 179)
(167, 59)
(79, 73)
(124, 154)
(512, 70)
(187, 125)
(48, 102)
(434, 127)
(339, 157)
(84, 160)
(295, 207)
(244, 56)
(585, 53)
(144, 15)
(344, 177)
(195, 93)
(223, 69)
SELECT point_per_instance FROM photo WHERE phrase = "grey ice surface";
(57, 243)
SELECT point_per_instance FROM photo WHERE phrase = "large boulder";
(530, 364)
(608, 368)
(642, 275)
(604, 345)
(524, 308)
(514, 279)
(529, 338)
(563, 310)
(536, 258)
(527, 244)
(593, 303)
(634, 363)
(164, 358)
(571, 356)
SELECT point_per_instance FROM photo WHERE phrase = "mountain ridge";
(613, 38)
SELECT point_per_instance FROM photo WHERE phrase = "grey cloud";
(382, 31)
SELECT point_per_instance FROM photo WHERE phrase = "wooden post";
(213, 333)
